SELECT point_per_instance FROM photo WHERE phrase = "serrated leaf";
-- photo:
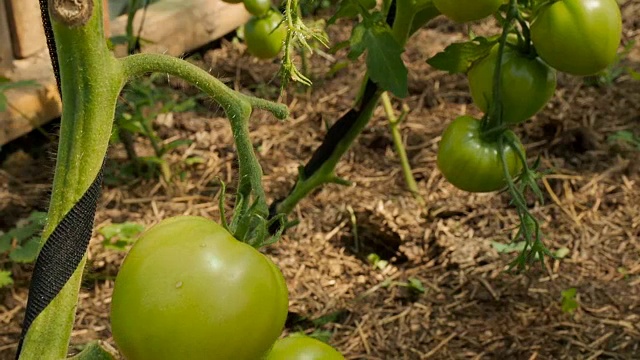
(27, 252)
(458, 57)
(384, 63)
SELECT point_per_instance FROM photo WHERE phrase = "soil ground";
(471, 308)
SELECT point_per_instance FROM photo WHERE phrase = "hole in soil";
(297, 321)
(373, 235)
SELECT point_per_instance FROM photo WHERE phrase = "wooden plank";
(6, 52)
(26, 27)
(174, 26)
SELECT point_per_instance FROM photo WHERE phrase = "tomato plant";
(527, 84)
(232, 1)
(579, 37)
(472, 163)
(265, 36)
(302, 347)
(467, 10)
(189, 290)
(257, 7)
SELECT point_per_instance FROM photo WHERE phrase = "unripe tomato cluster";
(189, 290)
(578, 37)
(264, 34)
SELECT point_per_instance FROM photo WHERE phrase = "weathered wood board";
(170, 27)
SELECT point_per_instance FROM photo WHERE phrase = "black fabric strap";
(51, 43)
(61, 254)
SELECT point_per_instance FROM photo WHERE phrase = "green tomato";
(526, 85)
(579, 37)
(301, 347)
(189, 290)
(467, 10)
(257, 7)
(264, 37)
(470, 162)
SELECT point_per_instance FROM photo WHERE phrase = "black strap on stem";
(64, 249)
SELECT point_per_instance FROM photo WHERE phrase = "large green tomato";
(472, 163)
(301, 347)
(189, 290)
(579, 37)
(467, 10)
(526, 83)
(264, 37)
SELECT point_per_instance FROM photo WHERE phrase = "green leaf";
(93, 351)
(416, 285)
(27, 252)
(322, 335)
(33, 226)
(356, 41)
(351, 8)
(5, 278)
(118, 236)
(384, 62)
(458, 57)
(569, 303)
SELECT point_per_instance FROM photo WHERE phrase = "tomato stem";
(493, 117)
(529, 231)
(250, 193)
(394, 123)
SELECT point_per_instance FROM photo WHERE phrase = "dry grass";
(470, 309)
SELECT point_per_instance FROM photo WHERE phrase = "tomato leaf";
(384, 63)
(458, 57)
(351, 8)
